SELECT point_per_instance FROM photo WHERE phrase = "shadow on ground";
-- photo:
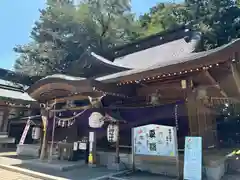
(82, 173)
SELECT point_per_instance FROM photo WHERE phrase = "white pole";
(133, 149)
(53, 132)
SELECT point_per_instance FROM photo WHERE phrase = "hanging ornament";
(112, 133)
(69, 123)
(96, 120)
(36, 133)
(63, 124)
(59, 123)
(70, 104)
(95, 101)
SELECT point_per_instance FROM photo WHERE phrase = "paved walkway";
(10, 175)
(83, 173)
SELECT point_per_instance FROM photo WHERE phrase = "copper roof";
(177, 63)
(158, 54)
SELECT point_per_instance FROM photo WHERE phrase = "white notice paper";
(75, 146)
(82, 146)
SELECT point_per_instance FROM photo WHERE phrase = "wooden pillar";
(190, 102)
(200, 119)
(43, 152)
(192, 116)
(5, 120)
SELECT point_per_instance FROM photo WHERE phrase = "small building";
(15, 103)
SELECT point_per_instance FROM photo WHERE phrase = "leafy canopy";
(66, 30)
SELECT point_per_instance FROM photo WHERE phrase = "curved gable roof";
(191, 60)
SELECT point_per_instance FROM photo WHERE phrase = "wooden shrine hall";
(152, 72)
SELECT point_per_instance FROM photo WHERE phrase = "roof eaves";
(108, 63)
(191, 57)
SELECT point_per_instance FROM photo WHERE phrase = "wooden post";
(44, 140)
(53, 132)
(117, 145)
(191, 108)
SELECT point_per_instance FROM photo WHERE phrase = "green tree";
(162, 17)
(217, 20)
(66, 30)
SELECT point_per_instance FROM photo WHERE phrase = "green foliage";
(162, 17)
(217, 20)
(66, 30)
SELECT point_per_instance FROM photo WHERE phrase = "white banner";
(24, 134)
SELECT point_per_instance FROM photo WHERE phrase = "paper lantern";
(36, 131)
(112, 133)
(96, 120)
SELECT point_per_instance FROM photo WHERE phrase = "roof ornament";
(96, 102)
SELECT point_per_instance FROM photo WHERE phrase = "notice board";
(193, 158)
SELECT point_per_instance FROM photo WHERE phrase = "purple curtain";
(135, 116)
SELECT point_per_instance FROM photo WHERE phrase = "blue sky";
(17, 18)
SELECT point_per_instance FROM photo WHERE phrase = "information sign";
(155, 140)
(193, 158)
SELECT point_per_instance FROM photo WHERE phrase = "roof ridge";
(146, 42)
(163, 33)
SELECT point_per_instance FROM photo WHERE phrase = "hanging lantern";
(112, 133)
(96, 120)
(36, 133)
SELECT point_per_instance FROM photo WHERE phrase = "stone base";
(92, 165)
(215, 169)
(55, 165)
(28, 150)
(116, 166)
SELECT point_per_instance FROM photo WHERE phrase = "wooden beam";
(236, 75)
(69, 98)
(214, 82)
